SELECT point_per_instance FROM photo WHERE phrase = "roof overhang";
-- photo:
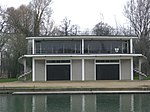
(87, 55)
(84, 37)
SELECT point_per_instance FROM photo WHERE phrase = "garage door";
(107, 72)
(58, 72)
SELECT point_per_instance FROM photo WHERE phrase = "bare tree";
(41, 13)
(103, 29)
(66, 28)
(138, 13)
(47, 28)
(124, 31)
(31, 20)
(20, 20)
(16, 47)
(3, 29)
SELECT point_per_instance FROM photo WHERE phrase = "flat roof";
(109, 91)
(86, 55)
(84, 37)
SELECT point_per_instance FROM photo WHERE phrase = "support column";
(131, 46)
(33, 69)
(82, 46)
(132, 68)
(25, 66)
(140, 68)
(33, 46)
(83, 77)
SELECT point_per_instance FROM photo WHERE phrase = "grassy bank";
(8, 80)
(145, 78)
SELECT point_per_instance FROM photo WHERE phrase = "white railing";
(140, 73)
(24, 75)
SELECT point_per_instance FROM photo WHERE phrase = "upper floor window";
(76, 47)
(29, 47)
(58, 47)
(106, 47)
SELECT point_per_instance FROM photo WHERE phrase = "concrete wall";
(125, 69)
(76, 69)
(89, 69)
(39, 70)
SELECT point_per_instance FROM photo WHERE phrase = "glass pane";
(59, 47)
(38, 47)
(29, 50)
(105, 47)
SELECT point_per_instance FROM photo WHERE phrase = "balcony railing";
(76, 47)
(86, 51)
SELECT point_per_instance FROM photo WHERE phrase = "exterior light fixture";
(116, 50)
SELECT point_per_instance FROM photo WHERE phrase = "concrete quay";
(105, 86)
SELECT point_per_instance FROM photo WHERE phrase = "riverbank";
(58, 86)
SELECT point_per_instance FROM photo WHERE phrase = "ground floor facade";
(82, 68)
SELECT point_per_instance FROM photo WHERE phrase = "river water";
(76, 103)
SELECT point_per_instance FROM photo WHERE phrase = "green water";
(76, 103)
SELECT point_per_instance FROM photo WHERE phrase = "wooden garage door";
(107, 72)
(58, 72)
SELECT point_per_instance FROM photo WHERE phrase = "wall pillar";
(83, 76)
(33, 46)
(33, 69)
(140, 68)
(82, 46)
(132, 77)
(25, 65)
(131, 46)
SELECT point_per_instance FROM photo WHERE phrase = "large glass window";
(75, 47)
(29, 48)
(106, 47)
(58, 47)
(38, 47)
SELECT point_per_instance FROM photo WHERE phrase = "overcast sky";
(85, 13)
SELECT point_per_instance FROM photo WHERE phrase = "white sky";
(85, 13)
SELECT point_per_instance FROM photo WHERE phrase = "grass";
(147, 78)
(136, 77)
(8, 80)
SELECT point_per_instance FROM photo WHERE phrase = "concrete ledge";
(76, 87)
(65, 90)
(80, 92)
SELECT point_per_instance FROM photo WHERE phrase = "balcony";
(79, 47)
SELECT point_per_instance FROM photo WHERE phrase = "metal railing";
(140, 73)
(24, 75)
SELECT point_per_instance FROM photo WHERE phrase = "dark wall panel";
(58, 72)
(107, 72)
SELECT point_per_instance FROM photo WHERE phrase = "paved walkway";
(120, 85)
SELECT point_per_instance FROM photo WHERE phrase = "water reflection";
(75, 103)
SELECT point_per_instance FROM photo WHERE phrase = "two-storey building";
(81, 58)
